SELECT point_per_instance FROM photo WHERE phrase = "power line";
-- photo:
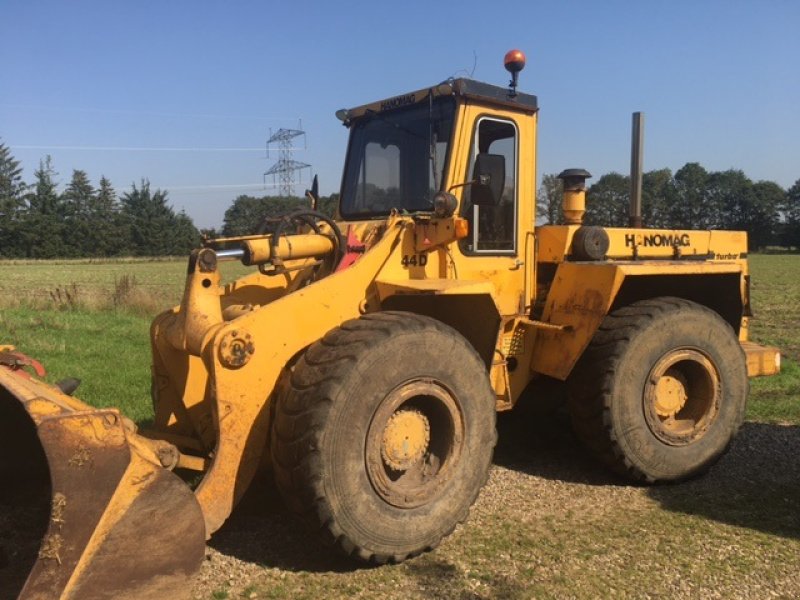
(212, 186)
(220, 185)
(191, 188)
(141, 112)
(133, 148)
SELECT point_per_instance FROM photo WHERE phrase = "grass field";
(775, 289)
(91, 319)
(549, 524)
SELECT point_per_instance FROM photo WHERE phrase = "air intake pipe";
(574, 204)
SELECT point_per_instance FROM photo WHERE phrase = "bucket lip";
(43, 400)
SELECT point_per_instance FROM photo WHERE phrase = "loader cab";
(404, 150)
(473, 141)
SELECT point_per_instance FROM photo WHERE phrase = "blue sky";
(719, 83)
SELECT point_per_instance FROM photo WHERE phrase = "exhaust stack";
(637, 161)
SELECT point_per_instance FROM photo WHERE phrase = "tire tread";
(304, 404)
(591, 384)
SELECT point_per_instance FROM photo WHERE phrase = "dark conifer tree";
(12, 203)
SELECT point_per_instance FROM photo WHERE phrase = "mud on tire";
(660, 392)
(383, 434)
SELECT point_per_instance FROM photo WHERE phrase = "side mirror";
(488, 179)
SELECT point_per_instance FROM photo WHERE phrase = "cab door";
(498, 247)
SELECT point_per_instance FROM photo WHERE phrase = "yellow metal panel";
(506, 271)
(579, 299)
(761, 360)
(674, 267)
(657, 243)
(516, 344)
(432, 286)
(582, 294)
(555, 242)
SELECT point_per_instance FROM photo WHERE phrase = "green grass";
(775, 289)
(108, 351)
(156, 283)
(35, 281)
(64, 314)
(776, 399)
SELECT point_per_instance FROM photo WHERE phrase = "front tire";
(660, 392)
(383, 434)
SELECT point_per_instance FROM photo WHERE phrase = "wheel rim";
(682, 396)
(414, 441)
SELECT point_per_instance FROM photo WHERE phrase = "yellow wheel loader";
(364, 358)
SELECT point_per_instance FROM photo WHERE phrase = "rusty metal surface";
(13, 360)
(118, 526)
(85, 471)
(578, 301)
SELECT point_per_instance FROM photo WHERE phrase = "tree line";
(36, 221)
(691, 198)
(247, 214)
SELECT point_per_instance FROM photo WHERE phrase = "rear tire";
(383, 434)
(660, 392)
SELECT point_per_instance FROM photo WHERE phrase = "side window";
(493, 228)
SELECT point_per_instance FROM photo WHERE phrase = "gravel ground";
(550, 523)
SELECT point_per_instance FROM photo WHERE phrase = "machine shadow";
(263, 531)
(756, 485)
(537, 439)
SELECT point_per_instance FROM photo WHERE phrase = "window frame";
(474, 229)
(450, 146)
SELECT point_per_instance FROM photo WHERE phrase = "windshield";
(396, 159)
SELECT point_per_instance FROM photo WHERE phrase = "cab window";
(492, 229)
(396, 159)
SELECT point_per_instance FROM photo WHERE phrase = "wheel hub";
(670, 393)
(405, 439)
(681, 396)
(413, 443)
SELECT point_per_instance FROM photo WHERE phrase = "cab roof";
(468, 88)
